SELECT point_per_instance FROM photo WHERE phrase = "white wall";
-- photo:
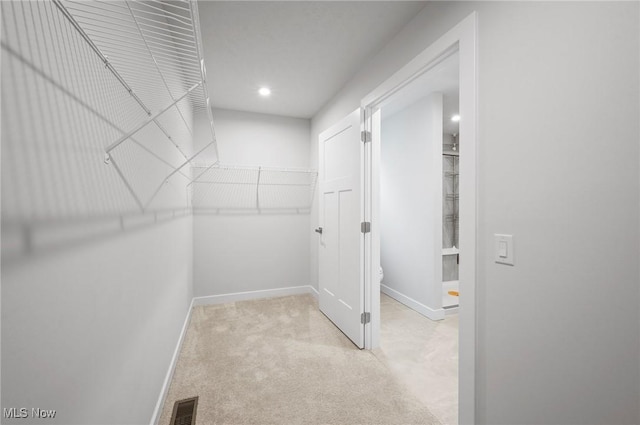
(94, 292)
(251, 139)
(558, 337)
(410, 186)
(237, 251)
(90, 330)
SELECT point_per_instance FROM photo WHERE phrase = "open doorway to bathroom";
(418, 224)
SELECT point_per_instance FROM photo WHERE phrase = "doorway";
(460, 41)
(418, 319)
(418, 191)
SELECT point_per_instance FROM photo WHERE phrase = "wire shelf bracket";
(164, 30)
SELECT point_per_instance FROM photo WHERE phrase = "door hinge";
(365, 136)
(365, 227)
(365, 318)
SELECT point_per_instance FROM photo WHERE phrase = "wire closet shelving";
(229, 187)
(99, 117)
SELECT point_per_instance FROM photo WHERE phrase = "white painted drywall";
(90, 330)
(252, 139)
(410, 186)
(94, 293)
(92, 311)
(251, 250)
(558, 333)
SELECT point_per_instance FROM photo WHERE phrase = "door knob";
(319, 230)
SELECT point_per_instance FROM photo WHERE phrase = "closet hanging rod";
(86, 38)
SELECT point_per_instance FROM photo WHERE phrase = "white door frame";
(461, 38)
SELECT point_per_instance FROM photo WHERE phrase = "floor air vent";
(184, 412)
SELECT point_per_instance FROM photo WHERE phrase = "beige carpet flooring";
(281, 361)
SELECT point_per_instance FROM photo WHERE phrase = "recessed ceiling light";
(264, 91)
(455, 118)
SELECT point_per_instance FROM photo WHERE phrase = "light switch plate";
(503, 251)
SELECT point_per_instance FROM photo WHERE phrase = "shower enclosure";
(450, 228)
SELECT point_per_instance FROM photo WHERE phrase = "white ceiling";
(305, 51)
(442, 78)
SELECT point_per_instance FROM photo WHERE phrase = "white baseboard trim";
(428, 312)
(254, 295)
(450, 311)
(313, 291)
(172, 367)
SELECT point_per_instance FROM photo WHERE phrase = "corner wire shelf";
(166, 35)
(100, 81)
(119, 82)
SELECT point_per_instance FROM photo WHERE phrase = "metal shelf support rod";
(126, 183)
(166, 179)
(151, 119)
(200, 175)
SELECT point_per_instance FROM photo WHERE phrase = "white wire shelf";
(97, 106)
(97, 112)
(230, 187)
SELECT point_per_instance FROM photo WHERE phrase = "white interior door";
(341, 284)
